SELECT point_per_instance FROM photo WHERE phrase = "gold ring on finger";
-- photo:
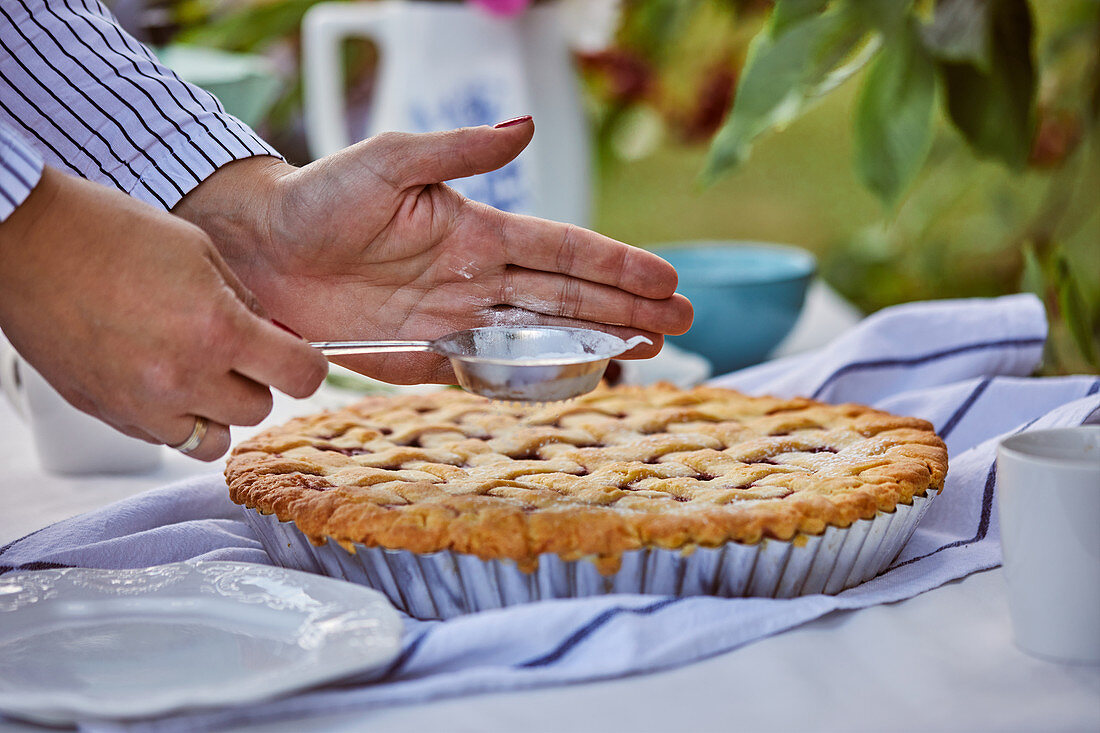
(194, 439)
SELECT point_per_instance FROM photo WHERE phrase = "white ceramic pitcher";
(449, 64)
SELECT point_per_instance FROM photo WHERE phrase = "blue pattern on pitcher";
(469, 105)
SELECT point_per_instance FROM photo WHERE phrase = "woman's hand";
(132, 315)
(368, 243)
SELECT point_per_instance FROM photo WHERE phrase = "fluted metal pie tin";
(445, 584)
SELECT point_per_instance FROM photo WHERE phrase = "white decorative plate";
(79, 643)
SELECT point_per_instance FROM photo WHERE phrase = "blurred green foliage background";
(967, 225)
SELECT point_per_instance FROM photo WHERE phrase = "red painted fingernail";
(512, 122)
(286, 328)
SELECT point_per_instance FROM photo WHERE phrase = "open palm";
(368, 243)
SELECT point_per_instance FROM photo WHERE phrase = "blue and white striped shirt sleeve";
(20, 169)
(95, 102)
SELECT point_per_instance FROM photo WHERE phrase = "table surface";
(944, 660)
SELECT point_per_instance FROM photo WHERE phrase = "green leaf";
(994, 109)
(888, 16)
(651, 26)
(781, 77)
(960, 32)
(787, 13)
(1074, 312)
(1032, 279)
(893, 121)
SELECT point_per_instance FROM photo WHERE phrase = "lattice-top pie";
(615, 470)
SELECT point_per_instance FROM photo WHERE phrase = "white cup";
(67, 440)
(1049, 498)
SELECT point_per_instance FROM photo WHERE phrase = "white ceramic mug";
(1049, 498)
(67, 440)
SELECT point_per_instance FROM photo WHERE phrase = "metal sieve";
(517, 363)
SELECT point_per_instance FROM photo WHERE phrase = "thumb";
(433, 157)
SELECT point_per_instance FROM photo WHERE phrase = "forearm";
(19, 250)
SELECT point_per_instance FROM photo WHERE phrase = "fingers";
(270, 356)
(233, 400)
(219, 365)
(280, 359)
(267, 353)
(213, 437)
(424, 159)
(569, 297)
(539, 244)
(232, 358)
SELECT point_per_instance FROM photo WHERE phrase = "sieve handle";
(635, 341)
(342, 348)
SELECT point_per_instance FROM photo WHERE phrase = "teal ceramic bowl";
(747, 296)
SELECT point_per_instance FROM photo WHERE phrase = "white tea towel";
(963, 365)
